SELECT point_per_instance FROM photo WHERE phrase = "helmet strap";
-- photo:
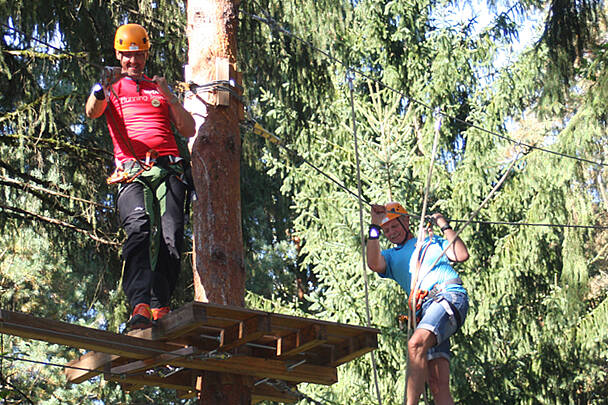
(408, 234)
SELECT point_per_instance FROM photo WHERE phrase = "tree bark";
(219, 274)
(225, 389)
(218, 264)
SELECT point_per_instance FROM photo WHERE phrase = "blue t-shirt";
(401, 262)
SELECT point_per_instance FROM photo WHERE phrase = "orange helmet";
(131, 37)
(393, 210)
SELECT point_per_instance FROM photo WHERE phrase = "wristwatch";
(445, 227)
(374, 231)
(98, 92)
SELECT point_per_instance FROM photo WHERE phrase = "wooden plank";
(216, 312)
(263, 368)
(247, 365)
(264, 392)
(354, 347)
(304, 339)
(86, 364)
(150, 363)
(244, 331)
(222, 72)
(239, 326)
(175, 324)
(29, 327)
(181, 382)
(323, 355)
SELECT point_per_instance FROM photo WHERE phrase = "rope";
(252, 125)
(419, 243)
(476, 212)
(362, 236)
(272, 23)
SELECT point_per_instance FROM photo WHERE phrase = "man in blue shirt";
(421, 270)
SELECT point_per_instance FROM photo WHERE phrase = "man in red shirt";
(139, 111)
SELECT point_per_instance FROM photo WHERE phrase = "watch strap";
(374, 231)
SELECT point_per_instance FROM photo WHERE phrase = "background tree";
(535, 331)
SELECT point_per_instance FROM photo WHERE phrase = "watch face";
(374, 233)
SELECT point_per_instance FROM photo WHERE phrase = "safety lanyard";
(419, 260)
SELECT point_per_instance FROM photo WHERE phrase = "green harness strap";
(154, 181)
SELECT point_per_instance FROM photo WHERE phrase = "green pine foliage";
(536, 328)
(533, 334)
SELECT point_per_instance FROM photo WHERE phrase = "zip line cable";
(362, 236)
(253, 126)
(483, 203)
(273, 24)
(256, 128)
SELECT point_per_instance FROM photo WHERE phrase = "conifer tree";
(536, 329)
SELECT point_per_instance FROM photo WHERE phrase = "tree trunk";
(219, 274)
(225, 389)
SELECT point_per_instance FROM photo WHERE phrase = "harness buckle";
(403, 321)
(120, 175)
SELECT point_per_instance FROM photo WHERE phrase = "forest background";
(536, 331)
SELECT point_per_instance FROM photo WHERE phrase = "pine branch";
(44, 55)
(99, 154)
(32, 106)
(28, 214)
(17, 390)
(28, 177)
(45, 199)
(22, 185)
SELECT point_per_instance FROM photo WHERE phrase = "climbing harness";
(155, 186)
(153, 173)
(403, 318)
(450, 309)
(422, 296)
(120, 175)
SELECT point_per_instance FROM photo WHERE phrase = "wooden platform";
(271, 349)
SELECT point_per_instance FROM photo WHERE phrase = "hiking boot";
(141, 318)
(158, 313)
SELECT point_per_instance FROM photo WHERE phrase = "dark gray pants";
(140, 283)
